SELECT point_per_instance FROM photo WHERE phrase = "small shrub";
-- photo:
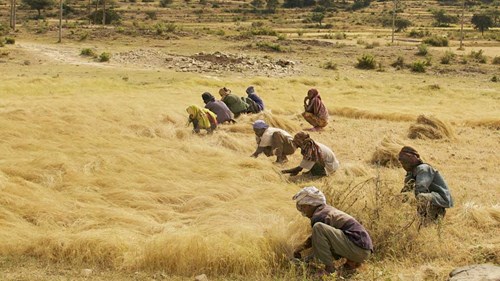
(165, 3)
(494, 78)
(270, 47)
(361, 42)
(419, 33)
(151, 15)
(367, 61)
(281, 36)
(1, 43)
(330, 65)
(496, 60)
(104, 57)
(372, 45)
(263, 31)
(257, 24)
(300, 33)
(87, 52)
(437, 41)
(340, 35)
(422, 49)
(418, 66)
(10, 40)
(478, 56)
(83, 36)
(328, 36)
(448, 57)
(399, 63)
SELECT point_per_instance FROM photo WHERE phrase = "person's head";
(312, 93)
(207, 97)
(192, 111)
(224, 92)
(308, 199)
(259, 127)
(409, 158)
(250, 90)
(300, 138)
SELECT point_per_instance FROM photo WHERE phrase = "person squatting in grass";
(202, 119)
(432, 192)
(318, 159)
(272, 141)
(315, 111)
(335, 234)
(233, 102)
(218, 107)
(253, 96)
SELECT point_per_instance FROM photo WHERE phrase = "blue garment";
(257, 100)
(429, 180)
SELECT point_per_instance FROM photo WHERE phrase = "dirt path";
(147, 58)
(62, 54)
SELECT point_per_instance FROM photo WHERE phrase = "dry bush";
(386, 153)
(430, 128)
(363, 114)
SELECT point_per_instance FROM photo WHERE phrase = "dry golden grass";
(102, 172)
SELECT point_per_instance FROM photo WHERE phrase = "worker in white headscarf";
(272, 141)
(335, 234)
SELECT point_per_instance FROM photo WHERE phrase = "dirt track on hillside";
(154, 59)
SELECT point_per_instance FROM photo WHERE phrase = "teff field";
(102, 179)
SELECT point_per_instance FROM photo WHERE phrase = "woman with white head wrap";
(335, 234)
(272, 141)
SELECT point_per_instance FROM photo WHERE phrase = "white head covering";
(310, 195)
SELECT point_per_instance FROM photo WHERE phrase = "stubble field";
(99, 170)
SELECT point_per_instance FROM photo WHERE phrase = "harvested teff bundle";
(430, 128)
(386, 153)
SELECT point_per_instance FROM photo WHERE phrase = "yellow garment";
(200, 114)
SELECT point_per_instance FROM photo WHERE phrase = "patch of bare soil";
(207, 62)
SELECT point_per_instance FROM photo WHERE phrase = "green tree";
(401, 24)
(165, 3)
(442, 19)
(257, 3)
(39, 5)
(272, 5)
(482, 22)
(318, 17)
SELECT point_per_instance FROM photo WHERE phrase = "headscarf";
(207, 97)
(309, 195)
(316, 105)
(410, 156)
(260, 124)
(309, 149)
(202, 115)
(313, 93)
(250, 90)
(224, 92)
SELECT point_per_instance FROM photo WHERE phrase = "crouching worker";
(201, 119)
(272, 141)
(315, 111)
(335, 234)
(318, 159)
(218, 107)
(432, 192)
